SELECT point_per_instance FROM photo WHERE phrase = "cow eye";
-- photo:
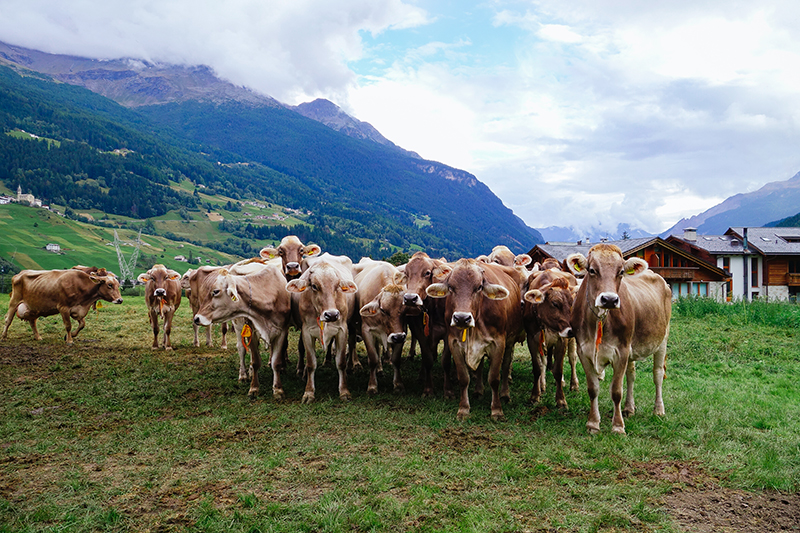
(428, 273)
(592, 271)
(315, 287)
(281, 252)
(621, 273)
(215, 292)
(384, 311)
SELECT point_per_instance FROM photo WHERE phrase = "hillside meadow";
(109, 435)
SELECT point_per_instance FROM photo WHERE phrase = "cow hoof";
(498, 416)
(628, 412)
(619, 430)
(252, 394)
(593, 429)
(534, 398)
(561, 404)
(278, 395)
(308, 397)
(462, 415)
(448, 395)
(659, 411)
(167, 348)
(197, 344)
(345, 397)
(505, 397)
(427, 393)
(372, 391)
(223, 347)
(574, 387)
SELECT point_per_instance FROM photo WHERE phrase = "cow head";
(466, 286)
(326, 289)
(186, 279)
(291, 251)
(553, 305)
(157, 280)
(386, 311)
(107, 285)
(420, 272)
(218, 297)
(603, 271)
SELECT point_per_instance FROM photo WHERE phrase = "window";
(794, 266)
(726, 264)
(754, 271)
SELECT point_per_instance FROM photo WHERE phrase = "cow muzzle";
(292, 269)
(462, 320)
(607, 300)
(330, 315)
(397, 338)
(118, 301)
(566, 333)
(160, 292)
(412, 299)
(201, 320)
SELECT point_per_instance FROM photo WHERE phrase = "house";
(181, 258)
(686, 273)
(27, 198)
(762, 262)
(52, 247)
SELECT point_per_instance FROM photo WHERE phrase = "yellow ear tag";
(233, 297)
(464, 335)
(247, 335)
(577, 267)
(99, 305)
(630, 272)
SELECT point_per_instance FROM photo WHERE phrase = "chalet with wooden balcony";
(686, 273)
(762, 262)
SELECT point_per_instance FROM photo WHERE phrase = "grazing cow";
(187, 283)
(380, 300)
(547, 310)
(325, 301)
(292, 252)
(70, 293)
(425, 316)
(257, 300)
(162, 295)
(621, 315)
(484, 317)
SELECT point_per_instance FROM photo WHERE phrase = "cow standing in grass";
(621, 315)
(162, 297)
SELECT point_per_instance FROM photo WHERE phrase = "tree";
(399, 258)
(625, 235)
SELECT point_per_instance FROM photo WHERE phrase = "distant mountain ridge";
(772, 202)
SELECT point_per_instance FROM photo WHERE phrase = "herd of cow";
(601, 309)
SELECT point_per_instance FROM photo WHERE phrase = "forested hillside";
(363, 199)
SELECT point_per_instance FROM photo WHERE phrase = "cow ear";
(297, 285)
(95, 278)
(311, 249)
(230, 289)
(143, 278)
(442, 271)
(370, 309)
(400, 278)
(482, 258)
(173, 275)
(534, 296)
(522, 260)
(268, 252)
(402, 268)
(437, 290)
(224, 272)
(495, 292)
(577, 264)
(634, 266)
(348, 286)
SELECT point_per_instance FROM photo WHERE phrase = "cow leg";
(196, 330)
(67, 326)
(592, 387)
(496, 364)
(372, 359)
(81, 320)
(659, 373)
(572, 352)
(35, 329)
(154, 326)
(412, 349)
(505, 373)
(311, 365)
(478, 375)
(536, 363)
(620, 366)
(397, 360)
(168, 330)
(630, 379)
(462, 371)
(12, 310)
(301, 356)
(255, 366)
(224, 328)
(558, 371)
(209, 340)
(277, 361)
(341, 364)
(353, 363)
(244, 370)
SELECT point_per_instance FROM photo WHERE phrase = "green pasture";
(110, 435)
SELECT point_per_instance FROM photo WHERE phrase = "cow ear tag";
(233, 297)
(464, 335)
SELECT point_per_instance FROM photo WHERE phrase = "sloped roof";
(769, 241)
(719, 244)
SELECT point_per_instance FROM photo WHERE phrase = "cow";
(547, 311)
(257, 301)
(621, 315)
(162, 295)
(186, 284)
(425, 316)
(325, 301)
(484, 319)
(291, 252)
(503, 256)
(380, 303)
(70, 293)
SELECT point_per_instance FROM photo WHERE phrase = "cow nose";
(197, 320)
(609, 300)
(462, 320)
(118, 301)
(160, 292)
(397, 338)
(567, 333)
(410, 298)
(331, 315)
(293, 268)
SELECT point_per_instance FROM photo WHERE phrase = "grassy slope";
(109, 435)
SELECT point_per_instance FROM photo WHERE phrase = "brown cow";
(425, 316)
(484, 317)
(383, 330)
(162, 295)
(547, 310)
(258, 297)
(291, 251)
(70, 293)
(325, 301)
(187, 283)
(621, 315)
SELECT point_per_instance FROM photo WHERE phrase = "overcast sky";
(574, 112)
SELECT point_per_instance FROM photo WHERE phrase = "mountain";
(564, 234)
(773, 201)
(360, 191)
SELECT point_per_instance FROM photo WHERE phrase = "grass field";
(108, 435)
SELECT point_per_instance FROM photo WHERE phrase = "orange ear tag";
(247, 336)
(427, 325)
(599, 337)
(321, 325)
